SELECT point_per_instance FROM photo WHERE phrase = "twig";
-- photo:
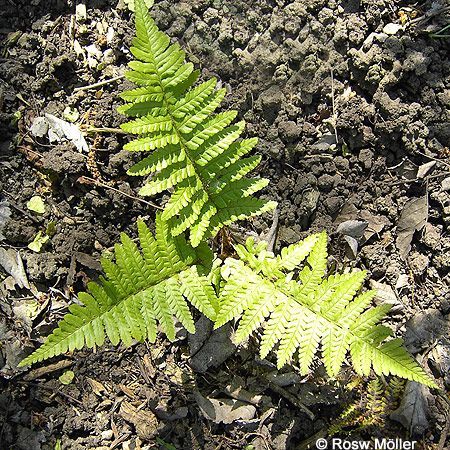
(292, 399)
(99, 183)
(41, 371)
(91, 129)
(333, 106)
(54, 390)
(433, 158)
(273, 232)
(429, 177)
(99, 84)
(429, 15)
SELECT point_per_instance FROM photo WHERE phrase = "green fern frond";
(142, 288)
(303, 311)
(195, 152)
(378, 400)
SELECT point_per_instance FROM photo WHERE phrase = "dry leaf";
(5, 214)
(97, 387)
(413, 410)
(11, 261)
(224, 410)
(57, 129)
(413, 218)
(386, 295)
(145, 422)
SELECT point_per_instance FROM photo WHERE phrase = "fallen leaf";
(407, 169)
(352, 230)
(413, 218)
(11, 261)
(5, 214)
(97, 387)
(348, 212)
(386, 295)
(237, 391)
(210, 348)
(39, 240)
(67, 377)
(145, 422)
(413, 410)
(375, 223)
(224, 410)
(36, 204)
(26, 311)
(57, 129)
(425, 169)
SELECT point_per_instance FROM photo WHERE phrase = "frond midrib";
(335, 326)
(120, 300)
(180, 136)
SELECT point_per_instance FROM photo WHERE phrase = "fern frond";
(142, 288)
(377, 401)
(195, 151)
(301, 309)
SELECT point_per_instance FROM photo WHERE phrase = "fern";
(305, 312)
(195, 152)
(141, 290)
(377, 402)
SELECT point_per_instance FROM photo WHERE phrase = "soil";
(352, 114)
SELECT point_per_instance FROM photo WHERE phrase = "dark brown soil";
(353, 122)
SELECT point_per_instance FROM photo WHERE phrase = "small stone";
(392, 28)
(418, 263)
(107, 435)
(431, 236)
(289, 131)
(333, 204)
(366, 158)
(342, 164)
(445, 186)
(325, 182)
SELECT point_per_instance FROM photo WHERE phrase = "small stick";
(41, 371)
(91, 129)
(99, 84)
(333, 106)
(292, 399)
(99, 183)
(273, 232)
(429, 15)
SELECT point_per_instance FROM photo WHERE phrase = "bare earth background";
(352, 112)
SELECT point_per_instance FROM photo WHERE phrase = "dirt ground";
(350, 100)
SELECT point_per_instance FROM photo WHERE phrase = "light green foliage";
(36, 204)
(303, 311)
(141, 289)
(199, 155)
(195, 152)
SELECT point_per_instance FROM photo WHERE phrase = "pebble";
(445, 186)
(418, 263)
(107, 435)
(289, 131)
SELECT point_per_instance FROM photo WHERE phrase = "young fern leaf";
(303, 311)
(141, 290)
(195, 151)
